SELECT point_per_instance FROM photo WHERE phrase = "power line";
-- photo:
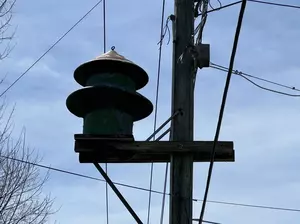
(164, 194)
(268, 89)
(50, 48)
(204, 221)
(166, 30)
(224, 6)
(200, 28)
(104, 25)
(202, 23)
(147, 190)
(237, 72)
(254, 1)
(118, 193)
(220, 4)
(162, 34)
(276, 4)
(212, 157)
(243, 75)
(252, 206)
(106, 166)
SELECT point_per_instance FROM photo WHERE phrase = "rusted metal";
(111, 62)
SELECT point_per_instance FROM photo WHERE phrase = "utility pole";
(181, 204)
(109, 104)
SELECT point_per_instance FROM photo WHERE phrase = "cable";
(276, 4)
(220, 4)
(223, 7)
(49, 49)
(204, 221)
(270, 90)
(237, 72)
(164, 191)
(164, 195)
(156, 101)
(200, 27)
(104, 25)
(106, 166)
(252, 206)
(147, 190)
(255, 1)
(166, 31)
(106, 196)
(118, 193)
(243, 75)
(212, 157)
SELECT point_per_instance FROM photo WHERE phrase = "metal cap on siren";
(109, 103)
(111, 62)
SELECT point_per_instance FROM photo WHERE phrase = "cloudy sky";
(264, 126)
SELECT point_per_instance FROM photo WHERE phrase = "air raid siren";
(109, 103)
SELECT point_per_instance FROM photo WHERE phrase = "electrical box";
(202, 55)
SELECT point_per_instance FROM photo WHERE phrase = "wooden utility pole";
(182, 126)
(105, 139)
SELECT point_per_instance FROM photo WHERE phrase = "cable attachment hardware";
(237, 72)
(200, 53)
(172, 17)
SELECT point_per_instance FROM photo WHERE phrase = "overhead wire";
(197, 8)
(165, 184)
(237, 72)
(199, 29)
(238, 2)
(243, 75)
(164, 194)
(161, 37)
(224, 6)
(167, 164)
(276, 4)
(146, 189)
(165, 32)
(254, 1)
(204, 10)
(220, 4)
(251, 205)
(222, 108)
(106, 165)
(213, 10)
(268, 89)
(104, 26)
(50, 48)
(205, 221)
(118, 193)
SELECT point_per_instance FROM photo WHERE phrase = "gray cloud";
(264, 126)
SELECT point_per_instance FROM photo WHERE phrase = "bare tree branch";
(6, 34)
(21, 184)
